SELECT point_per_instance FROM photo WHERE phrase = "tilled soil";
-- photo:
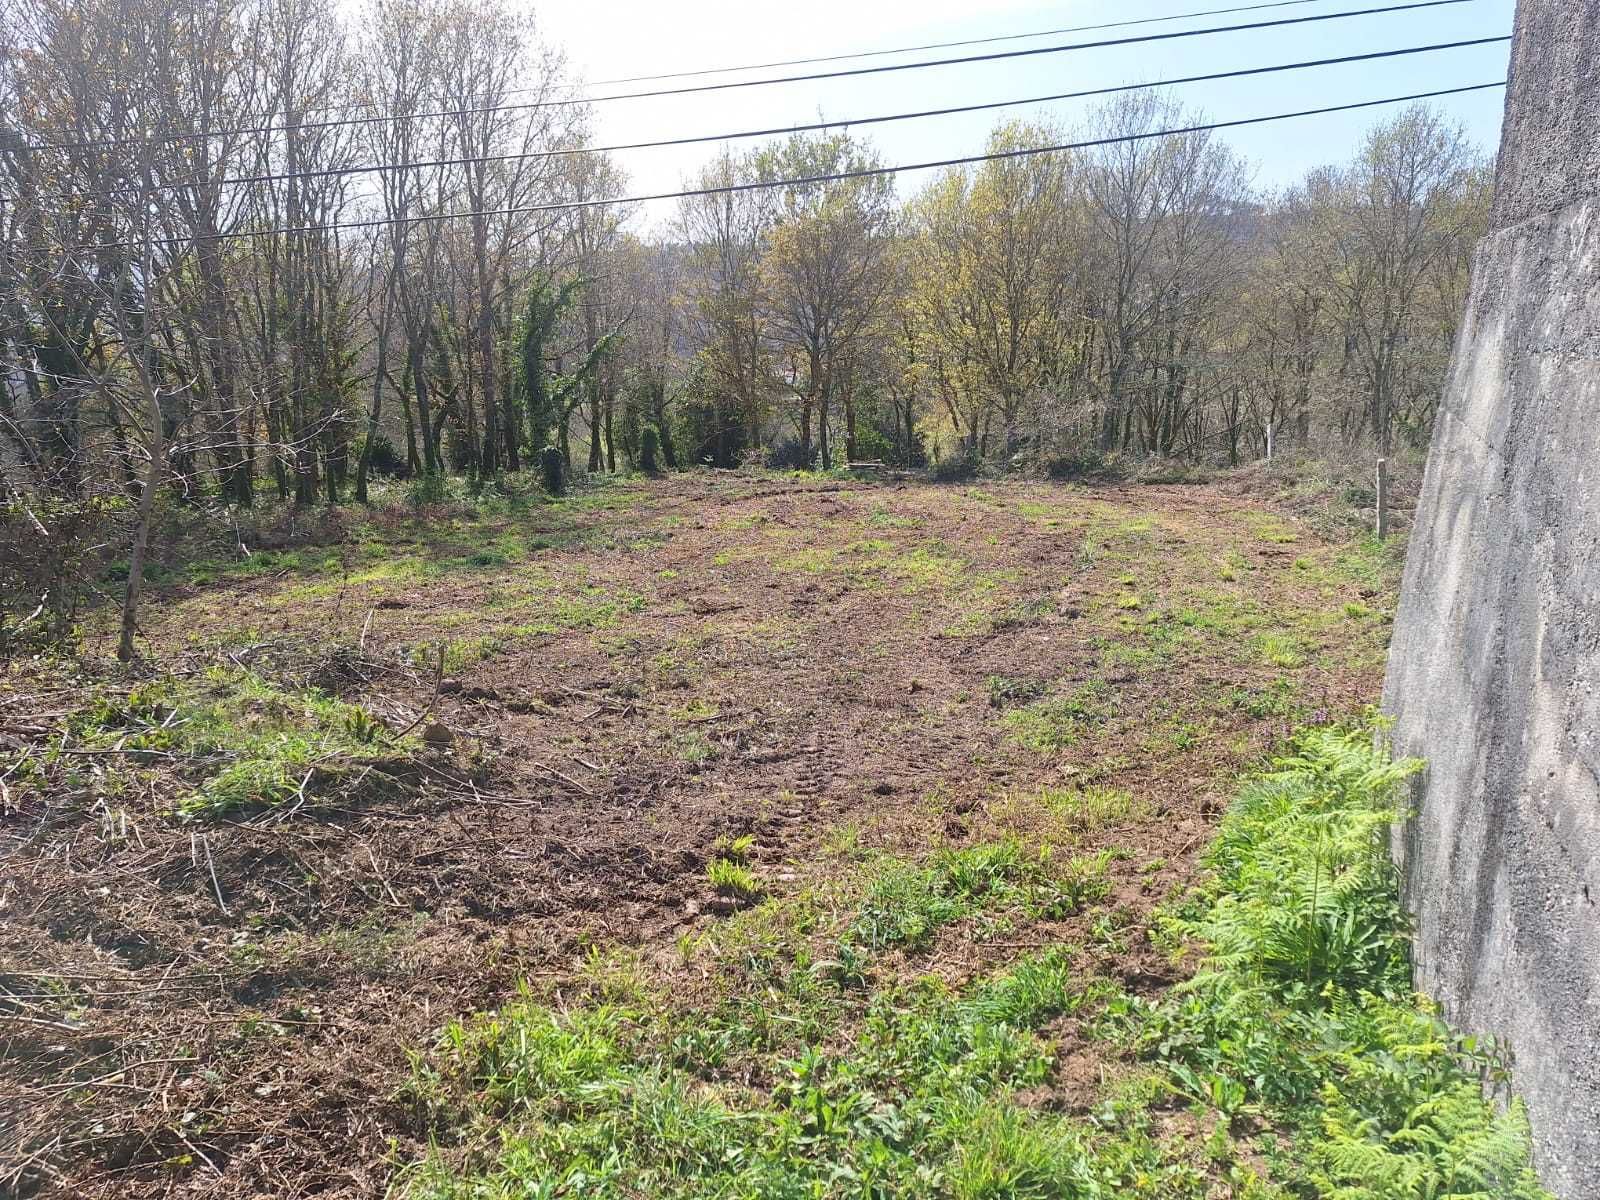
(225, 1006)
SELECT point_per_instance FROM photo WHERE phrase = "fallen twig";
(212, 867)
(378, 871)
(438, 682)
(566, 779)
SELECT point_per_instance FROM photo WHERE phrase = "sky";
(612, 39)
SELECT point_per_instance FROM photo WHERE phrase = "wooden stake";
(1383, 498)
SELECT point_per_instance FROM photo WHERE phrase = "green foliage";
(649, 450)
(1306, 891)
(1304, 1004)
(732, 879)
(1083, 881)
(383, 458)
(431, 487)
(1281, 650)
(961, 467)
(1005, 690)
(808, 1058)
(238, 740)
(1050, 725)
(917, 1103)
(906, 904)
(798, 1082)
(553, 470)
(538, 393)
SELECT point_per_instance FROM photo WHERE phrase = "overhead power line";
(983, 41)
(566, 152)
(312, 126)
(859, 54)
(802, 181)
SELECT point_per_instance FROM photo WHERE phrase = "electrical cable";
(311, 126)
(566, 152)
(803, 181)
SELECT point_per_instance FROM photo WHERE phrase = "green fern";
(1305, 893)
(1304, 1002)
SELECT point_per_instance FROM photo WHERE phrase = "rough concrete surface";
(1494, 672)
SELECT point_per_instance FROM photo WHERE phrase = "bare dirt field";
(617, 749)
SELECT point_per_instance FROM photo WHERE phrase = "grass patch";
(732, 879)
(1051, 725)
(1006, 690)
(591, 608)
(1298, 1050)
(925, 569)
(918, 1102)
(238, 741)
(1281, 650)
(1269, 528)
(907, 904)
(1063, 816)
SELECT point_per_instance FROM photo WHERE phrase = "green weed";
(1063, 816)
(907, 904)
(732, 879)
(1281, 650)
(1048, 726)
(239, 741)
(616, 1101)
(1004, 690)
(1303, 1006)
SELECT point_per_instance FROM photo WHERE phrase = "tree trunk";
(364, 467)
(141, 531)
(480, 236)
(419, 387)
(591, 339)
(849, 425)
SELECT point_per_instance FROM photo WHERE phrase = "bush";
(649, 450)
(1083, 464)
(791, 454)
(386, 459)
(553, 470)
(962, 467)
(50, 552)
(873, 445)
(431, 487)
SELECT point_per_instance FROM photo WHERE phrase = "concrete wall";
(1494, 672)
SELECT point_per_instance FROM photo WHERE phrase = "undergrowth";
(1302, 1013)
(831, 1062)
(237, 740)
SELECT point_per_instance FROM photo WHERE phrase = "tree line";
(382, 258)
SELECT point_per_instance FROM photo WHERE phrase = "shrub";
(959, 468)
(791, 454)
(1084, 464)
(50, 551)
(385, 460)
(431, 487)
(649, 450)
(553, 470)
(871, 444)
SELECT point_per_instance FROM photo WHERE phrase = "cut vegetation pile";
(744, 836)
